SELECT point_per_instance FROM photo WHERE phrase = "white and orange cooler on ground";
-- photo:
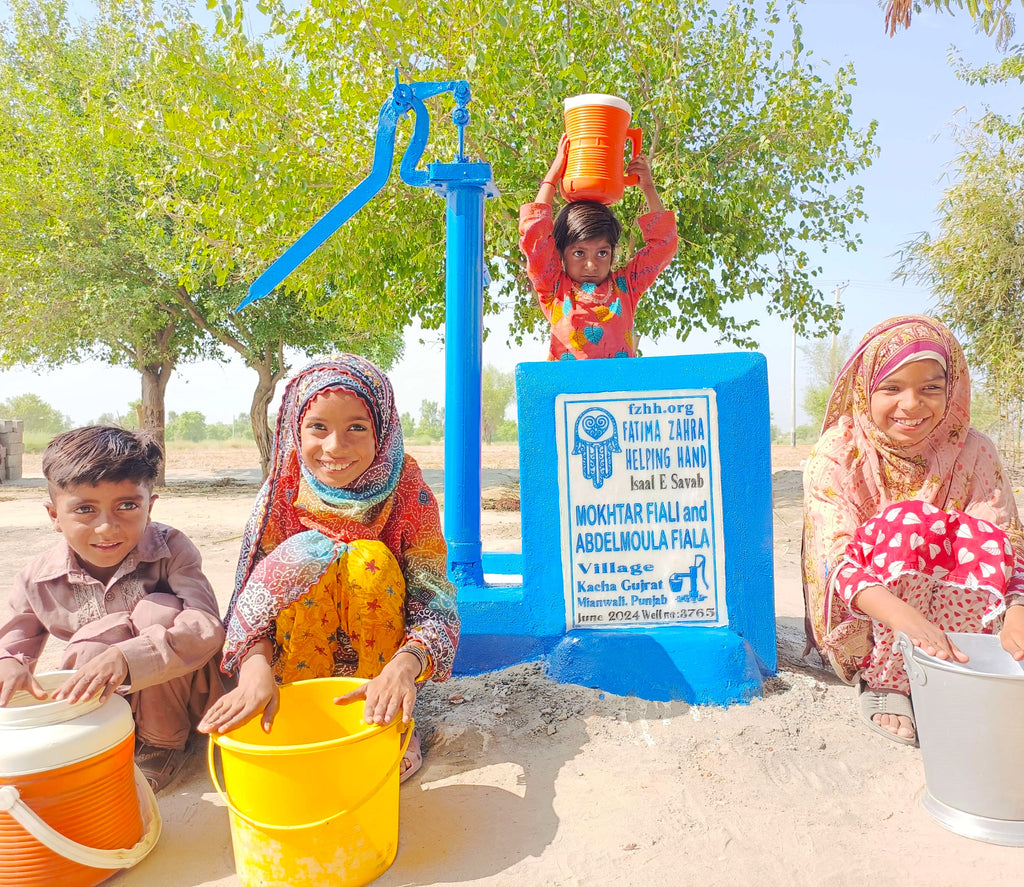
(74, 809)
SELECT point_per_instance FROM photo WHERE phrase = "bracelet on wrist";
(549, 182)
(421, 656)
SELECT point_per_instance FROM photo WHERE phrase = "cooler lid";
(598, 98)
(43, 734)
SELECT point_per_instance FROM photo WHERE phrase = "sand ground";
(527, 782)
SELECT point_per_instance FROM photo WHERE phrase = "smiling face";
(908, 404)
(102, 523)
(336, 438)
(588, 261)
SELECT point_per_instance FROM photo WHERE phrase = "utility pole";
(834, 362)
(792, 374)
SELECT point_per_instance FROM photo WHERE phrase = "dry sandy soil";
(527, 782)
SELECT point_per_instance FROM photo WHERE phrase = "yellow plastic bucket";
(315, 801)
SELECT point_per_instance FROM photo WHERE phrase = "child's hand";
(1012, 635)
(13, 677)
(640, 168)
(241, 705)
(557, 168)
(393, 690)
(929, 637)
(103, 675)
(256, 692)
(547, 190)
(879, 603)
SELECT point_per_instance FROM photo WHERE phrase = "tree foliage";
(823, 359)
(189, 425)
(431, 423)
(75, 280)
(750, 145)
(974, 264)
(109, 173)
(994, 17)
(151, 168)
(38, 415)
(497, 392)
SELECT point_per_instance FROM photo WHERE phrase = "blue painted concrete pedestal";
(721, 663)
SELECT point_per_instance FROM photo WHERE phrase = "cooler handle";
(91, 857)
(636, 138)
(223, 792)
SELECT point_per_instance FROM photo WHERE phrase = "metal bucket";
(970, 725)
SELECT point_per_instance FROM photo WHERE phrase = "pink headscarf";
(924, 471)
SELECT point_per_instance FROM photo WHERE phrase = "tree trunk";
(155, 377)
(261, 398)
(270, 370)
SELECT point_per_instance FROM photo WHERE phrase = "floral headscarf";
(923, 471)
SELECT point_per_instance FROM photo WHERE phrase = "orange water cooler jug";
(597, 126)
(74, 809)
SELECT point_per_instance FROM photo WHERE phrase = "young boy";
(569, 263)
(129, 596)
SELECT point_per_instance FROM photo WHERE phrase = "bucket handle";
(223, 792)
(914, 671)
(91, 857)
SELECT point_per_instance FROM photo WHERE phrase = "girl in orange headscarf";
(909, 520)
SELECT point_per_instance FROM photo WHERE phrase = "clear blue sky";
(905, 83)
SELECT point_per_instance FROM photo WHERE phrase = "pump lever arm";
(404, 98)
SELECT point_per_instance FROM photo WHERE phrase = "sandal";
(413, 759)
(160, 766)
(885, 702)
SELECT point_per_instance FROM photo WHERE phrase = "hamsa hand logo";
(596, 439)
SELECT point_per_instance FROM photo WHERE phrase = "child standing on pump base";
(569, 262)
(128, 595)
(343, 570)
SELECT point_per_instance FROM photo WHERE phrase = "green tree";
(497, 392)
(408, 425)
(190, 425)
(38, 415)
(106, 188)
(241, 427)
(823, 359)
(128, 419)
(749, 143)
(218, 431)
(70, 235)
(973, 264)
(431, 422)
(245, 132)
(507, 431)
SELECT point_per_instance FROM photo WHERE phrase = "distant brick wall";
(12, 447)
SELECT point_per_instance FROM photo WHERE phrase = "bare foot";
(900, 725)
(889, 713)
